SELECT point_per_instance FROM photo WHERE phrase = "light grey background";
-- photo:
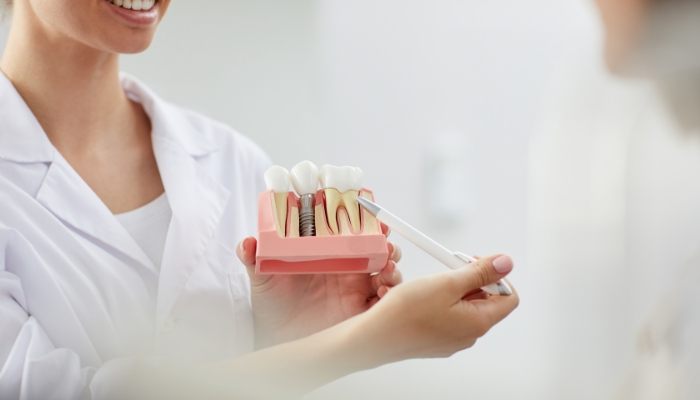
(407, 90)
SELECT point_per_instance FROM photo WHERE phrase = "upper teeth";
(305, 177)
(341, 178)
(136, 5)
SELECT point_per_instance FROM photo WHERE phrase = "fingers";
(479, 274)
(246, 251)
(495, 308)
(385, 229)
(394, 252)
(388, 277)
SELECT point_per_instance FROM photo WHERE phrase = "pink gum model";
(352, 253)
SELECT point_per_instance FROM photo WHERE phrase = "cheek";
(74, 19)
(86, 22)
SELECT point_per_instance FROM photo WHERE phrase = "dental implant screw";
(307, 217)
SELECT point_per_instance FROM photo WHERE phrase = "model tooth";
(370, 225)
(127, 4)
(322, 226)
(333, 201)
(341, 186)
(277, 181)
(341, 178)
(353, 209)
(344, 226)
(293, 230)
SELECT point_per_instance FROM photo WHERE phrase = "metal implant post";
(307, 217)
(305, 181)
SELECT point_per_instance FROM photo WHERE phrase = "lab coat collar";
(197, 200)
(21, 137)
(175, 125)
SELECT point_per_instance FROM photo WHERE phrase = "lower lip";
(135, 18)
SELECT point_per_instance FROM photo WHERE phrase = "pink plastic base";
(362, 253)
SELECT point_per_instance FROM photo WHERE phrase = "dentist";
(119, 218)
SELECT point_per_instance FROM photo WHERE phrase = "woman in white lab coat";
(119, 218)
(616, 179)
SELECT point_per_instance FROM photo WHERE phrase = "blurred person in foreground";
(616, 191)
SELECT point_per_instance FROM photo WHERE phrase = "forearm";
(294, 368)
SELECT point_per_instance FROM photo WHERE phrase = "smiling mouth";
(134, 5)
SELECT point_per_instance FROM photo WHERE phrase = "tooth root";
(344, 227)
(293, 223)
(333, 200)
(352, 208)
(370, 225)
(279, 206)
(321, 224)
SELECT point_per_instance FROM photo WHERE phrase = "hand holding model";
(433, 316)
(329, 323)
(289, 306)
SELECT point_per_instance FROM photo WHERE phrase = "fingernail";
(503, 264)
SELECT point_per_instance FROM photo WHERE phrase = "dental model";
(305, 182)
(277, 181)
(317, 230)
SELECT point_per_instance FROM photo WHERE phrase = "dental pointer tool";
(450, 259)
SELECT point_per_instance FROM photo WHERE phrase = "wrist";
(359, 343)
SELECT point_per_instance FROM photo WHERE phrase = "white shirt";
(148, 226)
(75, 304)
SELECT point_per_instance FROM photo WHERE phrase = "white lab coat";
(76, 292)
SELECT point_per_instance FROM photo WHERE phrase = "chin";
(619, 58)
(128, 45)
(613, 62)
(132, 49)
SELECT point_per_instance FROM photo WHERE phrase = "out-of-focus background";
(449, 108)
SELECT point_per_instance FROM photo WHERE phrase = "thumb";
(481, 273)
(246, 253)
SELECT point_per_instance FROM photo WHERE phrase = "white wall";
(376, 83)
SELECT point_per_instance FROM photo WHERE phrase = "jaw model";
(347, 237)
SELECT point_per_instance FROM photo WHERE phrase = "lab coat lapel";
(67, 196)
(63, 191)
(197, 202)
